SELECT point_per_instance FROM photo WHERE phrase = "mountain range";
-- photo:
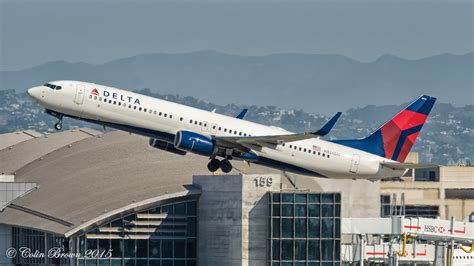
(315, 83)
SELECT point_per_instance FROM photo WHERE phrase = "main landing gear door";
(355, 164)
(80, 91)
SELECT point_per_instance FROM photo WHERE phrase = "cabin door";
(80, 91)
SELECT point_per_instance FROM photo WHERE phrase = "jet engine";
(166, 146)
(194, 142)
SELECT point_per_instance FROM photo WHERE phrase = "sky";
(36, 32)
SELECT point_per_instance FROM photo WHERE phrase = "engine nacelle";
(194, 142)
(166, 146)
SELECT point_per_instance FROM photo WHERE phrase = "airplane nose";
(34, 92)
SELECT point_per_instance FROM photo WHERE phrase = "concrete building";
(121, 202)
(438, 192)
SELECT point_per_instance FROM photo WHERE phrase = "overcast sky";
(35, 32)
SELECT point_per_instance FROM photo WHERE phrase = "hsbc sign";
(434, 229)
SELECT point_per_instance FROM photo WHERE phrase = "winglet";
(242, 114)
(328, 126)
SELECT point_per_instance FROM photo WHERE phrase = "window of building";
(305, 228)
(385, 205)
(461, 193)
(168, 237)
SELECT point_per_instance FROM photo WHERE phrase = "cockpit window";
(54, 87)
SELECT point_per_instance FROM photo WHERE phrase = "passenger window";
(144, 110)
(304, 149)
(225, 129)
(200, 123)
(195, 122)
(240, 133)
(180, 119)
(105, 100)
(166, 115)
(115, 102)
(130, 106)
(90, 96)
(291, 146)
(160, 113)
(220, 128)
(190, 121)
(300, 148)
(154, 112)
(135, 107)
(95, 97)
(171, 116)
(139, 109)
(119, 104)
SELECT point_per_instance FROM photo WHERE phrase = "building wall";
(233, 218)
(433, 193)
(219, 223)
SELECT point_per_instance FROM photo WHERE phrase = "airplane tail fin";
(394, 139)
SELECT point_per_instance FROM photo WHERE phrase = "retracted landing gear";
(59, 124)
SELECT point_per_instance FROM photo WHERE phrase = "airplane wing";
(404, 166)
(271, 140)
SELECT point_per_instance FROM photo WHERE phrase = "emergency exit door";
(355, 163)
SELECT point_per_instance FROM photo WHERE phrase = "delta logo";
(116, 96)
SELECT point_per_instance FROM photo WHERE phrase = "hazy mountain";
(315, 83)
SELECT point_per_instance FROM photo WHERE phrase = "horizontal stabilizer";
(404, 166)
(242, 114)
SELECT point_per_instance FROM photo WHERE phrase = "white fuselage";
(162, 119)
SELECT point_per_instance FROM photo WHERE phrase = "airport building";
(84, 197)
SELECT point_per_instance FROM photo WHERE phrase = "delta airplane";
(180, 129)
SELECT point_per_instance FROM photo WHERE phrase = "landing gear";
(213, 165)
(225, 166)
(58, 125)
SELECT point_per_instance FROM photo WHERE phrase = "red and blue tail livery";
(394, 139)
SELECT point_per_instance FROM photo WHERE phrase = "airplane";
(180, 129)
